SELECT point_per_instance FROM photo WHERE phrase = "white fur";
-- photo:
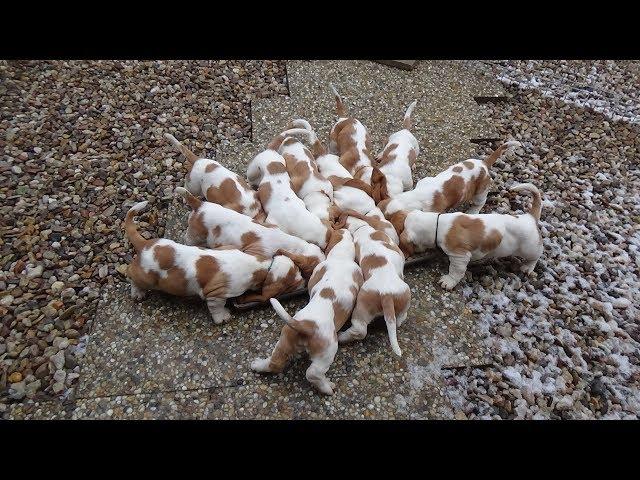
(340, 268)
(398, 171)
(234, 225)
(520, 238)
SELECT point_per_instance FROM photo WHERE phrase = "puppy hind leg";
(219, 313)
(457, 268)
(280, 355)
(360, 320)
(316, 373)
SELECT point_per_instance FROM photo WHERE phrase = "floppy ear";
(406, 246)
(397, 220)
(334, 214)
(359, 184)
(379, 190)
(189, 199)
(336, 237)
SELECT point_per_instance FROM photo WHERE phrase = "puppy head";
(259, 166)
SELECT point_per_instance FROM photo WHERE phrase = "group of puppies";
(335, 219)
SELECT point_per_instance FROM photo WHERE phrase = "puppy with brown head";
(468, 238)
(461, 183)
(209, 179)
(333, 289)
(183, 270)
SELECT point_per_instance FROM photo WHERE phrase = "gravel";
(81, 142)
(565, 341)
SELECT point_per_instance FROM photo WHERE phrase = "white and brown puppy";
(464, 182)
(209, 179)
(333, 290)
(283, 207)
(213, 225)
(384, 292)
(182, 270)
(468, 238)
(308, 183)
(349, 140)
(398, 159)
(348, 193)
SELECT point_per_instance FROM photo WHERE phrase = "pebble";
(70, 179)
(575, 318)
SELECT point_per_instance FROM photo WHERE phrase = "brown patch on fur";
(210, 167)
(305, 264)
(397, 219)
(468, 164)
(275, 168)
(226, 194)
(465, 235)
(264, 193)
(328, 293)
(370, 262)
(298, 170)
(379, 236)
(316, 277)
(407, 247)
(491, 241)
(379, 190)
(334, 239)
(453, 193)
(457, 169)
(248, 238)
(388, 155)
(165, 255)
(383, 204)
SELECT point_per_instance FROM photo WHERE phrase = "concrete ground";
(164, 358)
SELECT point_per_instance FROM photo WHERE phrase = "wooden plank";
(403, 64)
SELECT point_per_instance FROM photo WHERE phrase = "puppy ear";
(379, 190)
(189, 199)
(336, 237)
(406, 246)
(397, 220)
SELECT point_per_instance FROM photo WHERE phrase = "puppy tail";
(191, 200)
(278, 139)
(389, 311)
(300, 123)
(188, 154)
(131, 229)
(300, 327)
(407, 115)
(340, 108)
(495, 155)
(536, 205)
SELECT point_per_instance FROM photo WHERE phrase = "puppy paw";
(137, 293)
(528, 269)
(260, 365)
(326, 388)
(344, 337)
(447, 282)
(221, 317)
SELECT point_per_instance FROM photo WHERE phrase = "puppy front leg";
(218, 311)
(457, 268)
(316, 373)
(529, 266)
